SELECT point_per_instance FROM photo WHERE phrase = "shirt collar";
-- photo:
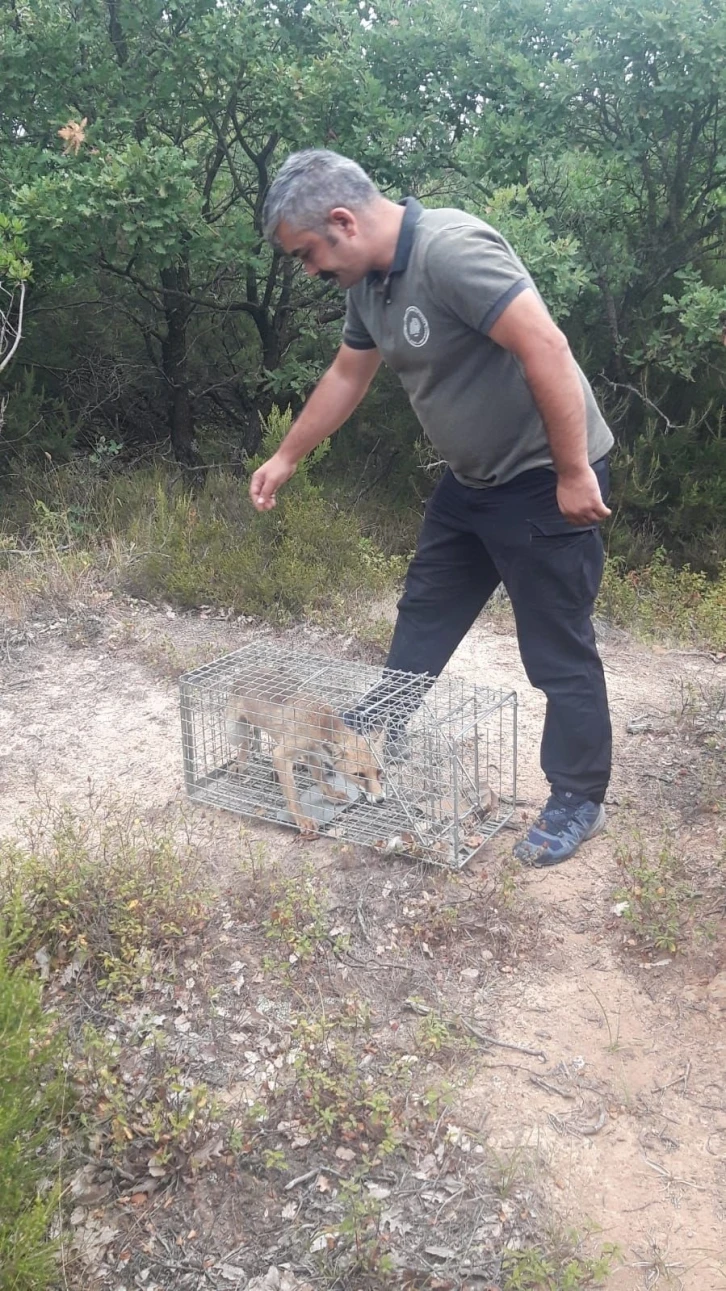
(411, 214)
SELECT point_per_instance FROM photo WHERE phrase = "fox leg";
(283, 764)
(241, 734)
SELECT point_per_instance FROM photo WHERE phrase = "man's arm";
(526, 329)
(334, 398)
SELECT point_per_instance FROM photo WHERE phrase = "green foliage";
(297, 917)
(554, 262)
(98, 893)
(159, 539)
(658, 600)
(538, 1270)
(338, 1098)
(658, 901)
(593, 134)
(304, 557)
(689, 325)
(30, 1100)
(38, 424)
(671, 492)
(166, 1118)
(14, 264)
(359, 1237)
(435, 1035)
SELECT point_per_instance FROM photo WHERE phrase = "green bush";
(669, 490)
(658, 901)
(305, 556)
(99, 893)
(662, 601)
(143, 529)
(163, 540)
(29, 1104)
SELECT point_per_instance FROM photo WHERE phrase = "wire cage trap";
(262, 736)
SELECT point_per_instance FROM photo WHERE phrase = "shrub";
(166, 541)
(29, 1103)
(660, 600)
(98, 893)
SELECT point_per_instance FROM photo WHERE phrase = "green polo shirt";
(451, 278)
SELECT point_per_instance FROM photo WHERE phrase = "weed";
(507, 891)
(537, 1270)
(161, 1117)
(431, 922)
(298, 917)
(662, 601)
(274, 1159)
(168, 659)
(30, 1103)
(508, 1171)
(340, 1097)
(434, 1035)
(98, 894)
(361, 1244)
(657, 902)
(438, 1100)
(375, 633)
(83, 525)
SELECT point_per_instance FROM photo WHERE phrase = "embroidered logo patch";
(416, 327)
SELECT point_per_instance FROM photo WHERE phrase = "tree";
(157, 195)
(14, 275)
(172, 120)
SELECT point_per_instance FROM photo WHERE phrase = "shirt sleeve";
(474, 273)
(355, 333)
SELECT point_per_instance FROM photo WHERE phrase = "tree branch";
(5, 328)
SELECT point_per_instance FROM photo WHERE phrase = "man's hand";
(579, 497)
(268, 479)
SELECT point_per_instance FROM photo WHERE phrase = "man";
(443, 300)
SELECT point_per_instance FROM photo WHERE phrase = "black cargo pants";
(514, 533)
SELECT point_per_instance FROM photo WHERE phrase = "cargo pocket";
(569, 558)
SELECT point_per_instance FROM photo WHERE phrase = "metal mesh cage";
(445, 750)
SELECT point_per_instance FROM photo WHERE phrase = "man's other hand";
(579, 498)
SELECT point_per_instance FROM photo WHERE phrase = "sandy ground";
(628, 1131)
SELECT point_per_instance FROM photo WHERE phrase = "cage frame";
(448, 745)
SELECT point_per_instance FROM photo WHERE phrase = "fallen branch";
(659, 1089)
(302, 1178)
(501, 1044)
(544, 1084)
(416, 1006)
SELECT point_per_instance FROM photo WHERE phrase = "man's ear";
(343, 222)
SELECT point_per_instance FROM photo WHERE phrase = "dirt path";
(626, 1028)
(627, 1128)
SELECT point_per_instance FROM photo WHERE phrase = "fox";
(303, 729)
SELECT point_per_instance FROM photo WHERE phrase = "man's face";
(336, 256)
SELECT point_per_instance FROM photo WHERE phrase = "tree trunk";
(611, 314)
(175, 365)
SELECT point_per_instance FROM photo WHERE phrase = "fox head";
(354, 757)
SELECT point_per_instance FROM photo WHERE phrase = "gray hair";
(309, 185)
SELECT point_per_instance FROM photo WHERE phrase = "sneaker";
(558, 832)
